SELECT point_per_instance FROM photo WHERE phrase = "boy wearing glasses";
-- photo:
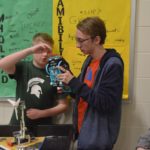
(97, 90)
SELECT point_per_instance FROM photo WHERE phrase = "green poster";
(19, 21)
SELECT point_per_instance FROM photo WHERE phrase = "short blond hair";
(45, 37)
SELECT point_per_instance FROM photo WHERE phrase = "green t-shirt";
(33, 87)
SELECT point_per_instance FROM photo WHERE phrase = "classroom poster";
(20, 20)
(116, 15)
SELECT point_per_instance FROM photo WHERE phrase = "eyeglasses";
(79, 40)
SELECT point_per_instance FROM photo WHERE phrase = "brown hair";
(93, 26)
(45, 37)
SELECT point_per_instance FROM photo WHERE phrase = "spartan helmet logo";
(34, 87)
